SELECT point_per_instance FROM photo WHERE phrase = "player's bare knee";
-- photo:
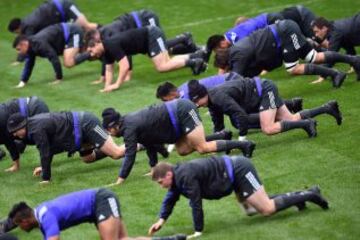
(69, 63)
(202, 149)
(293, 68)
(182, 152)
(268, 129)
(161, 68)
(88, 159)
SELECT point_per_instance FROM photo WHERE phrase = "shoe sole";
(323, 203)
(337, 84)
(311, 131)
(249, 150)
(336, 112)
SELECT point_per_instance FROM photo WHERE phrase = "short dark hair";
(164, 89)
(20, 211)
(321, 22)
(110, 118)
(14, 24)
(196, 90)
(222, 58)
(160, 170)
(19, 39)
(89, 38)
(213, 42)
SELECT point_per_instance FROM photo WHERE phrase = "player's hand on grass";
(14, 64)
(195, 235)
(156, 226)
(45, 182)
(55, 82)
(37, 171)
(119, 181)
(319, 80)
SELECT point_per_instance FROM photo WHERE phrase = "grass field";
(285, 162)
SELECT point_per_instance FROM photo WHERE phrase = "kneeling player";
(98, 206)
(216, 177)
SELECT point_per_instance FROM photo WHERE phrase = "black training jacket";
(45, 15)
(48, 43)
(52, 133)
(236, 99)
(345, 34)
(196, 180)
(148, 126)
(6, 110)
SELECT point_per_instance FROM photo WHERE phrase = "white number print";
(295, 41)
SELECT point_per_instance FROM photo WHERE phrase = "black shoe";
(248, 148)
(199, 54)
(180, 237)
(188, 40)
(338, 79)
(297, 104)
(333, 110)
(2, 154)
(163, 151)
(301, 206)
(311, 128)
(198, 66)
(228, 134)
(317, 198)
(356, 67)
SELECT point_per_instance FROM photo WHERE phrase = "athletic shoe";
(297, 104)
(198, 66)
(228, 134)
(180, 237)
(188, 39)
(248, 148)
(175, 237)
(2, 154)
(310, 128)
(317, 198)
(162, 150)
(333, 110)
(356, 67)
(338, 79)
(301, 206)
(199, 54)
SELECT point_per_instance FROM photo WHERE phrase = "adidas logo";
(261, 108)
(187, 129)
(245, 194)
(101, 217)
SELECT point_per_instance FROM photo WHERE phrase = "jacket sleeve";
(236, 113)
(335, 41)
(28, 67)
(11, 147)
(238, 63)
(51, 55)
(43, 145)
(169, 203)
(151, 152)
(130, 152)
(217, 118)
(194, 192)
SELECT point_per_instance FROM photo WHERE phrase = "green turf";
(285, 162)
